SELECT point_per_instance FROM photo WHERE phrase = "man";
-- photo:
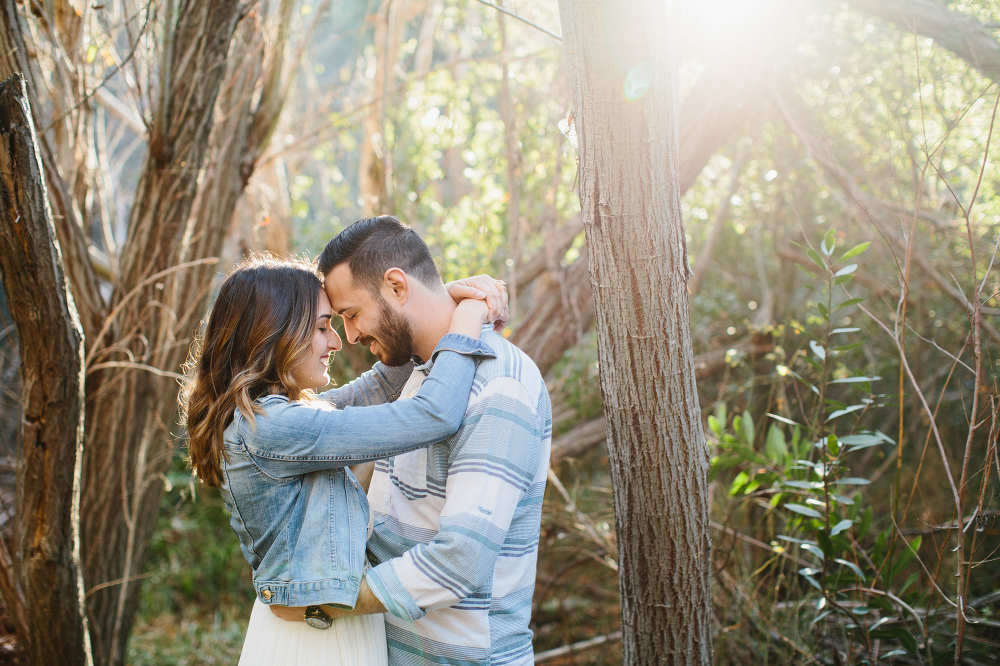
(455, 538)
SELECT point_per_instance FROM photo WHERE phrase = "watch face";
(318, 623)
(317, 618)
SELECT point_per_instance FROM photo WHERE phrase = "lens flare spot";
(638, 80)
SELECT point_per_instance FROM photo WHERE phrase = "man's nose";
(350, 331)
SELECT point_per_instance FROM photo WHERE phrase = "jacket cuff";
(385, 584)
(463, 344)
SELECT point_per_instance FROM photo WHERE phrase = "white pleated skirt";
(351, 641)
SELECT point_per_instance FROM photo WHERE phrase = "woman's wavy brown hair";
(260, 326)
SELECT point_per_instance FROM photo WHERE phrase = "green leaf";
(865, 439)
(794, 540)
(910, 580)
(816, 365)
(829, 241)
(879, 553)
(748, 429)
(822, 310)
(817, 349)
(775, 446)
(854, 251)
(805, 485)
(714, 425)
(782, 419)
(854, 380)
(852, 329)
(861, 610)
(804, 510)
(840, 527)
(848, 303)
(825, 543)
(842, 279)
(812, 581)
(818, 260)
(803, 380)
(841, 412)
(738, 483)
(853, 481)
(832, 445)
(846, 270)
(843, 348)
(821, 616)
(866, 522)
(906, 554)
(807, 271)
(901, 634)
(852, 566)
(847, 501)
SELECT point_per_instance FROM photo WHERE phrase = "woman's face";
(311, 371)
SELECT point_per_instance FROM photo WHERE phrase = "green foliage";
(815, 504)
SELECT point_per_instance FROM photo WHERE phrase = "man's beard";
(393, 335)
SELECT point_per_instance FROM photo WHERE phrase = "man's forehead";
(340, 287)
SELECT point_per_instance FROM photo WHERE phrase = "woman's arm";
(293, 438)
(376, 386)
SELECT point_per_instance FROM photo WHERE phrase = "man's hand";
(484, 287)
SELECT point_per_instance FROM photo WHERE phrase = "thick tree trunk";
(630, 198)
(131, 385)
(46, 592)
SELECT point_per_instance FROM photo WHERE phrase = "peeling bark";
(47, 598)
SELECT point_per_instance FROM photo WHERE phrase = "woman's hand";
(469, 316)
(484, 287)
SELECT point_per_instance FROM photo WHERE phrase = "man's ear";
(396, 286)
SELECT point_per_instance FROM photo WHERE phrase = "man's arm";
(367, 604)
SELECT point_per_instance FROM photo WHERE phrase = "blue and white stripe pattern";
(456, 524)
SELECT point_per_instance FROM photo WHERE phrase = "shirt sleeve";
(379, 385)
(293, 438)
(493, 464)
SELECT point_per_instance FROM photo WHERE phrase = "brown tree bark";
(630, 197)
(131, 384)
(45, 593)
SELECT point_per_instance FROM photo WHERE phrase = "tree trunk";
(45, 594)
(630, 198)
(131, 386)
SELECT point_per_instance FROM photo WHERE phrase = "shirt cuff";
(385, 584)
(463, 344)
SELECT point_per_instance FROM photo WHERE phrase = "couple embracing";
(435, 564)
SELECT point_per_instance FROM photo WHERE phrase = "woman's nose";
(333, 342)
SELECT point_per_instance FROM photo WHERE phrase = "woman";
(279, 453)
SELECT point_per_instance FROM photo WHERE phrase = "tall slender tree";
(624, 94)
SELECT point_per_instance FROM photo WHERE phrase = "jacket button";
(266, 594)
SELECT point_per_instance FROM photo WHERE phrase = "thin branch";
(521, 19)
(136, 366)
(577, 647)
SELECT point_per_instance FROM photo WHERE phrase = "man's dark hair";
(372, 246)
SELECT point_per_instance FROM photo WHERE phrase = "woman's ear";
(396, 286)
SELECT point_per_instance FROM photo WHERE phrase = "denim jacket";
(300, 515)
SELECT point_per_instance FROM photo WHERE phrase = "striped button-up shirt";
(455, 537)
